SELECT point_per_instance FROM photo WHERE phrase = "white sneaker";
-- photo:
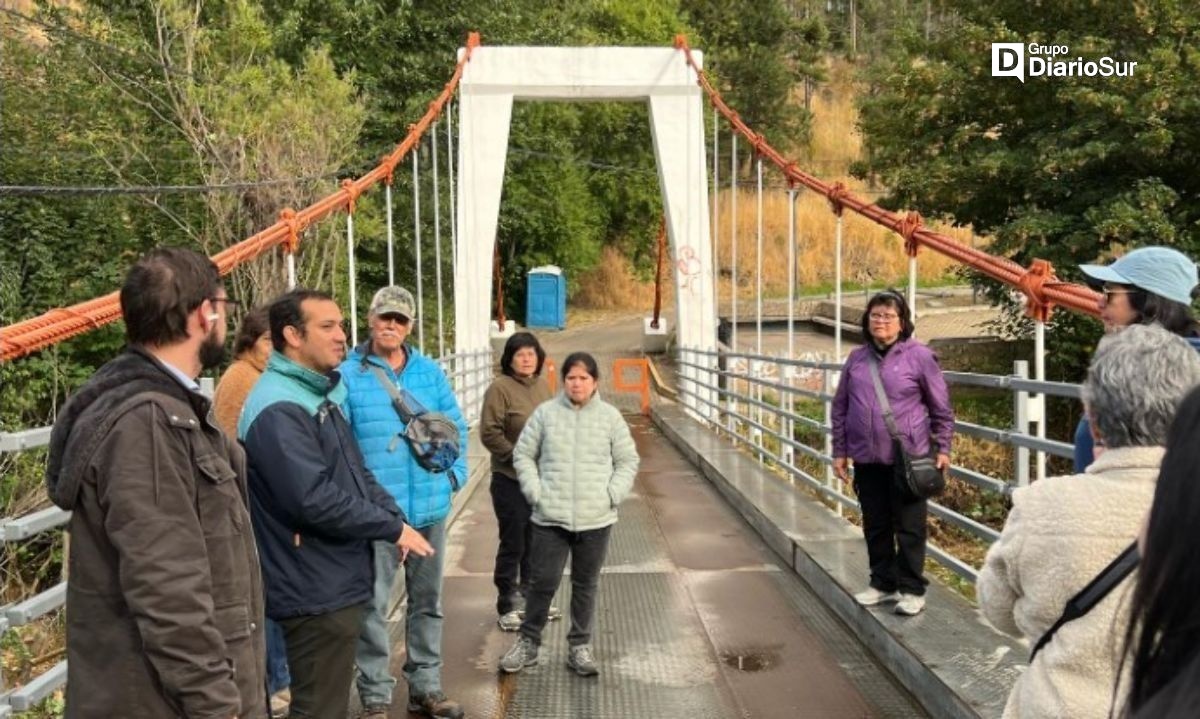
(910, 605)
(551, 614)
(280, 703)
(510, 622)
(872, 596)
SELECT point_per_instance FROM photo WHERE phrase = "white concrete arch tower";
(495, 77)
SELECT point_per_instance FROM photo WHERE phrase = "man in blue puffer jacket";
(424, 497)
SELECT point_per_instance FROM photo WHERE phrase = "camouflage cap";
(394, 300)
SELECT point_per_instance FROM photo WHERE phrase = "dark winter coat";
(316, 507)
(165, 601)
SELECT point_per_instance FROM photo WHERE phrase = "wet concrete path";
(696, 618)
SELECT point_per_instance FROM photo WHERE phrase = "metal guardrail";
(469, 372)
(38, 688)
(14, 530)
(42, 603)
(754, 421)
(25, 439)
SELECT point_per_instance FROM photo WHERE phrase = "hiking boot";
(580, 659)
(374, 711)
(281, 701)
(524, 653)
(910, 605)
(872, 596)
(510, 621)
(435, 704)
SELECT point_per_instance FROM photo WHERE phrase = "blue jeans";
(423, 626)
(278, 677)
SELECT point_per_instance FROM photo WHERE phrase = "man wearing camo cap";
(423, 495)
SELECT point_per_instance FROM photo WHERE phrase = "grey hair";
(1136, 381)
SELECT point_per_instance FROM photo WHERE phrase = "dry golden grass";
(871, 254)
(612, 285)
(835, 141)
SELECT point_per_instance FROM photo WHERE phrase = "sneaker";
(551, 614)
(580, 659)
(373, 711)
(524, 653)
(281, 702)
(910, 605)
(872, 596)
(435, 704)
(510, 621)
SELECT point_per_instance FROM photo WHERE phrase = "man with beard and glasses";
(165, 603)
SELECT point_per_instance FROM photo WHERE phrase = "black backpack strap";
(398, 402)
(1093, 593)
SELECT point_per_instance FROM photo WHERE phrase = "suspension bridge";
(728, 590)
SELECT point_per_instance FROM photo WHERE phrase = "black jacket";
(315, 505)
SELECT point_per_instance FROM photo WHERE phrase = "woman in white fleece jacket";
(575, 461)
(1062, 531)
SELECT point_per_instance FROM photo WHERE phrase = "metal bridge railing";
(751, 398)
(470, 374)
(17, 529)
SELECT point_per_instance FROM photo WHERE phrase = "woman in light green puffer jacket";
(576, 461)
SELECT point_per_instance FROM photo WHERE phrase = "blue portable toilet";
(546, 298)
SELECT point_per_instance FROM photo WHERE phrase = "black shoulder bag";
(1093, 593)
(432, 436)
(916, 475)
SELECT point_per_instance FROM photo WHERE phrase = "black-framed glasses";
(227, 300)
(395, 318)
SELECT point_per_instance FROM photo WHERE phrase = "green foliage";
(1070, 170)
(757, 52)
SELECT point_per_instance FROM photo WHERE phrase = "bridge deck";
(696, 618)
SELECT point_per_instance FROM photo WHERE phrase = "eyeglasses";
(226, 300)
(883, 318)
(1111, 292)
(398, 319)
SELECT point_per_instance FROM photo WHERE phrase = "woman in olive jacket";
(507, 404)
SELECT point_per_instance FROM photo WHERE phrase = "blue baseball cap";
(1162, 271)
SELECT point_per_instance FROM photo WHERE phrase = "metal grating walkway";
(696, 619)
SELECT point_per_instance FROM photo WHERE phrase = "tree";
(157, 94)
(1074, 169)
(757, 52)
(245, 117)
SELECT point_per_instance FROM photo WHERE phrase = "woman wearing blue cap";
(1150, 285)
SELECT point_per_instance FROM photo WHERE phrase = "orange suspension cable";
(1043, 290)
(56, 325)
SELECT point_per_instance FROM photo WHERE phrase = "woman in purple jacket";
(893, 521)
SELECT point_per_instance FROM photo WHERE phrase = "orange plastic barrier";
(1042, 289)
(641, 386)
(56, 325)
